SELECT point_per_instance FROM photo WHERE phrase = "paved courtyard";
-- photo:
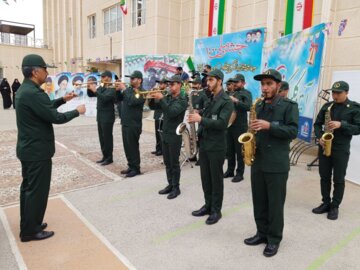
(104, 221)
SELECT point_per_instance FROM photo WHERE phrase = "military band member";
(242, 100)
(199, 101)
(158, 122)
(105, 116)
(344, 122)
(131, 121)
(284, 89)
(212, 136)
(276, 125)
(35, 114)
(173, 107)
(230, 86)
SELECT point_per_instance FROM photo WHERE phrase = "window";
(112, 19)
(138, 12)
(92, 26)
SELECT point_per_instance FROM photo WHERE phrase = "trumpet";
(102, 84)
(146, 93)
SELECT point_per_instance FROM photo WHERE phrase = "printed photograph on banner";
(48, 87)
(233, 53)
(155, 67)
(298, 58)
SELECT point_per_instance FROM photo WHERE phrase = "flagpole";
(123, 47)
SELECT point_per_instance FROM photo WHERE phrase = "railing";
(19, 40)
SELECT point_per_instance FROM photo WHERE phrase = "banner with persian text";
(233, 53)
(298, 58)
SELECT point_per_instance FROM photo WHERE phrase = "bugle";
(146, 94)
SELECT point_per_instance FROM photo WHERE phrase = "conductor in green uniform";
(105, 116)
(131, 121)
(173, 107)
(212, 136)
(35, 114)
(343, 123)
(276, 125)
(242, 100)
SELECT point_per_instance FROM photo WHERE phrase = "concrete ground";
(104, 221)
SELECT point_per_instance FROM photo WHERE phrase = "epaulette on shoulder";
(290, 100)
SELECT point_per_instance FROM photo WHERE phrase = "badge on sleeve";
(214, 117)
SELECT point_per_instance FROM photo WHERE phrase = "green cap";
(238, 77)
(196, 80)
(216, 73)
(284, 86)
(175, 78)
(106, 73)
(340, 86)
(270, 73)
(136, 74)
(163, 80)
(229, 81)
(34, 60)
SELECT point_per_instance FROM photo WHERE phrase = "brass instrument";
(107, 84)
(328, 136)
(189, 136)
(248, 139)
(146, 93)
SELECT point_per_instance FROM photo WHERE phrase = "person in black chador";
(14, 87)
(6, 93)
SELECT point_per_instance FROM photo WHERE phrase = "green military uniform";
(348, 113)
(105, 120)
(199, 100)
(158, 127)
(239, 126)
(269, 172)
(131, 125)
(35, 114)
(212, 137)
(173, 109)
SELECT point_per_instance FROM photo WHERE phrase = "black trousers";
(105, 131)
(268, 194)
(34, 192)
(335, 166)
(158, 127)
(234, 154)
(212, 178)
(131, 136)
(171, 154)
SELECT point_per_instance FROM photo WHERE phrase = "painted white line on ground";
(99, 235)
(12, 241)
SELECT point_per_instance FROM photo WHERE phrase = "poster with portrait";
(298, 58)
(155, 67)
(233, 53)
(65, 82)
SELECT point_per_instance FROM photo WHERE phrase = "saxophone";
(328, 136)
(248, 139)
(189, 135)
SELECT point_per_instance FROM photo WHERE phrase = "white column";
(270, 20)
(228, 16)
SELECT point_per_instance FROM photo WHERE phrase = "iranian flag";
(123, 6)
(216, 17)
(299, 14)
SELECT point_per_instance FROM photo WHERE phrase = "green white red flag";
(299, 15)
(216, 17)
(123, 6)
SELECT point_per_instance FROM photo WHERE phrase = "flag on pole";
(123, 6)
(299, 14)
(190, 64)
(216, 17)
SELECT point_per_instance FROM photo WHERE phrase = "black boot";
(333, 213)
(321, 209)
(166, 190)
(174, 193)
